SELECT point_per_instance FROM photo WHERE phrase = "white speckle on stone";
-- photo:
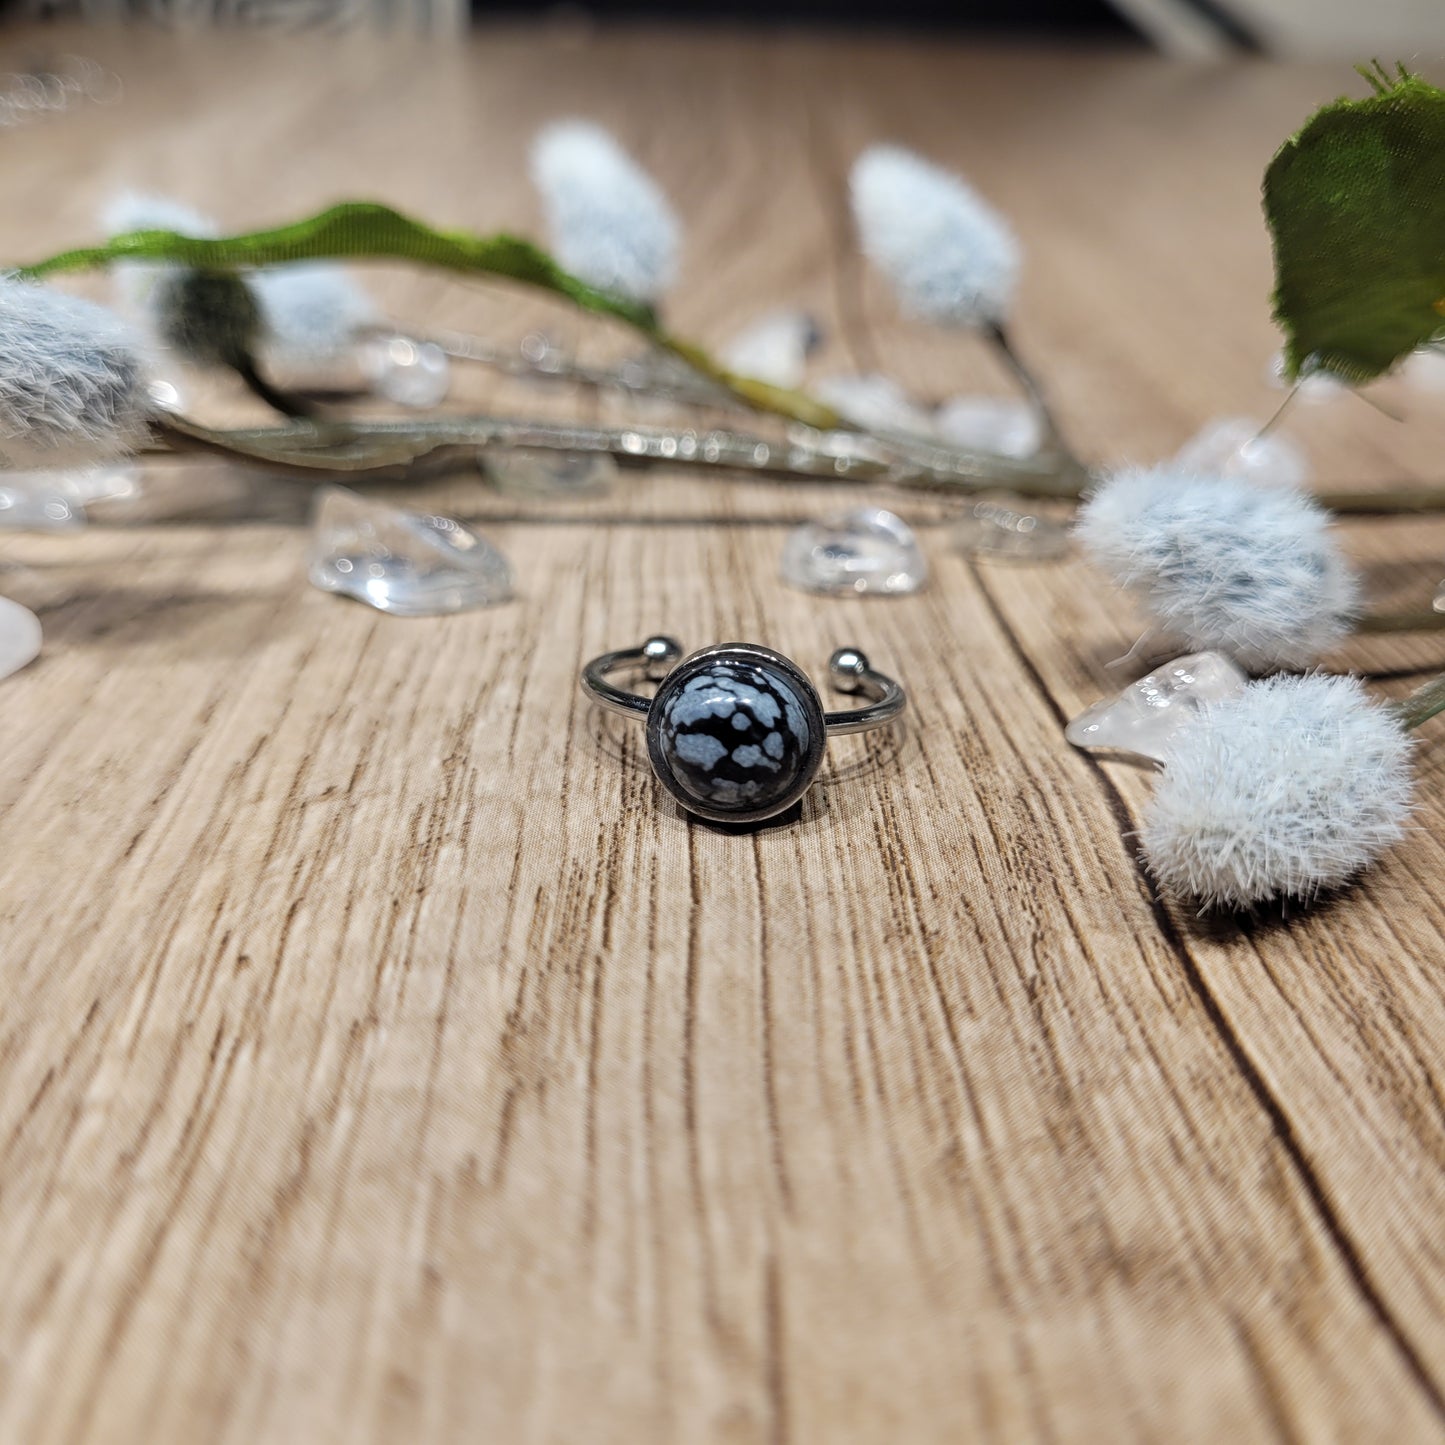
(752, 756)
(699, 749)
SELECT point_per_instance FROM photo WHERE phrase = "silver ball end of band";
(846, 667)
(660, 655)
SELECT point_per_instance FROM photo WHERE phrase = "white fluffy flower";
(1290, 788)
(135, 212)
(949, 255)
(135, 281)
(311, 312)
(609, 221)
(875, 402)
(72, 379)
(1225, 565)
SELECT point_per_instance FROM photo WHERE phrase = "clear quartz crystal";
(1009, 529)
(547, 472)
(1233, 447)
(867, 550)
(55, 499)
(1146, 715)
(405, 563)
(19, 636)
(989, 424)
(33, 502)
(411, 373)
(773, 348)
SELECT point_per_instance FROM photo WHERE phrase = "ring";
(736, 732)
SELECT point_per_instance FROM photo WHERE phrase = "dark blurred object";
(1094, 17)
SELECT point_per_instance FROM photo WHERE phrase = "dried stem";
(635, 377)
(1386, 502)
(1003, 344)
(390, 448)
(1422, 621)
(1423, 704)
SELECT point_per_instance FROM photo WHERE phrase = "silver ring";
(736, 732)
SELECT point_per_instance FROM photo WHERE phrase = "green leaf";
(366, 230)
(356, 230)
(1356, 205)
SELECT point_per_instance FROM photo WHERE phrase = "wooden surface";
(382, 1060)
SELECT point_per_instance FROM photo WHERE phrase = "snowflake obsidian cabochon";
(736, 733)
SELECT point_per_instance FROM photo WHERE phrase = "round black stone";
(736, 735)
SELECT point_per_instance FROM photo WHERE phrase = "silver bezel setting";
(744, 652)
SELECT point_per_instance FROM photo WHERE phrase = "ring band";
(736, 732)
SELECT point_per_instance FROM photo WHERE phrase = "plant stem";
(1423, 621)
(389, 448)
(1048, 423)
(760, 395)
(1424, 703)
(1388, 502)
(683, 388)
(362, 230)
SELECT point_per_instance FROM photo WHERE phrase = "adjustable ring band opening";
(736, 732)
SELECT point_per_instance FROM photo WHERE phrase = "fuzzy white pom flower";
(1223, 564)
(135, 212)
(135, 281)
(949, 255)
(311, 312)
(609, 221)
(72, 379)
(1290, 788)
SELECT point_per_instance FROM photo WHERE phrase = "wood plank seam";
(1279, 1120)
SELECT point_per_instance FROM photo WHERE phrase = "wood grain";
(382, 1060)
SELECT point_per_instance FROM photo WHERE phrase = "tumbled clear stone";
(406, 563)
(546, 472)
(867, 550)
(874, 402)
(989, 424)
(19, 636)
(411, 373)
(1233, 447)
(1008, 529)
(774, 348)
(32, 502)
(1439, 603)
(1146, 715)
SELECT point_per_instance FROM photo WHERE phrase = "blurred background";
(1199, 29)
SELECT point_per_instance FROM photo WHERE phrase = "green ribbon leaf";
(1356, 205)
(356, 230)
(368, 231)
